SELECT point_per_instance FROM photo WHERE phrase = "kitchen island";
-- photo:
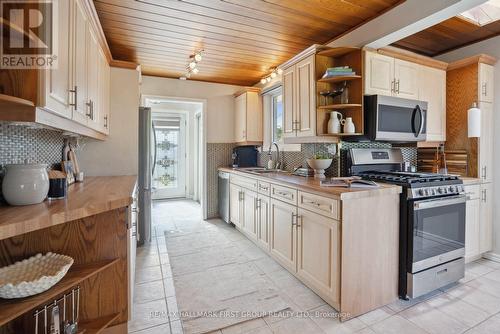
(343, 243)
(93, 226)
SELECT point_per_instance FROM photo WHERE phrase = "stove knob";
(433, 191)
(421, 192)
(452, 189)
(440, 190)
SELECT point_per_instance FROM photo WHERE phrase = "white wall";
(219, 97)
(118, 155)
(492, 47)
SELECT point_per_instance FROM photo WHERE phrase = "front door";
(169, 156)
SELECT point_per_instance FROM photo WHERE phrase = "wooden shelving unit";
(11, 309)
(342, 56)
(96, 326)
(340, 106)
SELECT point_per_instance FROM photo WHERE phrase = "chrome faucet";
(270, 153)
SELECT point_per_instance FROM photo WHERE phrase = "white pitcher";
(334, 122)
(349, 125)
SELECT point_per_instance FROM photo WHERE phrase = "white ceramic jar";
(25, 184)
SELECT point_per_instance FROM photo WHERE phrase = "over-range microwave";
(389, 118)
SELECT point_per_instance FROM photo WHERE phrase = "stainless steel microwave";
(389, 118)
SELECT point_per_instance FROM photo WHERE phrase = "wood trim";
(247, 90)
(338, 51)
(94, 21)
(123, 64)
(480, 58)
(413, 57)
(313, 49)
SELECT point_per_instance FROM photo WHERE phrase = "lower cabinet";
(249, 214)
(235, 206)
(486, 218)
(318, 253)
(263, 220)
(282, 242)
(472, 219)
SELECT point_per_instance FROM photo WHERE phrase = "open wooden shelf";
(338, 51)
(10, 309)
(341, 106)
(340, 78)
(96, 326)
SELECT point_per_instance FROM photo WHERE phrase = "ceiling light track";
(274, 73)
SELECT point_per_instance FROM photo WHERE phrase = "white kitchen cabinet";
(263, 218)
(80, 74)
(248, 117)
(485, 82)
(235, 204)
(486, 219)
(379, 74)
(92, 80)
(472, 221)
(299, 98)
(432, 88)
(406, 79)
(249, 214)
(318, 253)
(486, 142)
(282, 242)
(56, 86)
(104, 92)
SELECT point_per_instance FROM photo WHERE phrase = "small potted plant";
(319, 162)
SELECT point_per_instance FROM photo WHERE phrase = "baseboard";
(492, 256)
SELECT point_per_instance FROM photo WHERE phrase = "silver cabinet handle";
(106, 121)
(397, 83)
(484, 88)
(90, 114)
(75, 101)
(293, 219)
(484, 195)
(312, 203)
(393, 86)
(484, 172)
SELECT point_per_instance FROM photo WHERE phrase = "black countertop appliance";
(245, 156)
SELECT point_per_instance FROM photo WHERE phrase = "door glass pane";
(166, 172)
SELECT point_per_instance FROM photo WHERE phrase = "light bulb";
(280, 71)
(192, 65)
(198, 56)
(188, 75)
(195, 70)
(268, 79)
(263, 81)
(273, 75)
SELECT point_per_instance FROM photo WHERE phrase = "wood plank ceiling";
(241, 39)
(448, 35)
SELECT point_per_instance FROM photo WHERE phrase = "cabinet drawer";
(244, 182)
(284, 194)
(324, 206)
(473, 191)
(264, 188)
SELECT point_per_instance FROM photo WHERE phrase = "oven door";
(400, 119)
(437, 231)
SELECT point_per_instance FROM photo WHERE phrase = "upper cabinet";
(432, 88)
(486, 78)
(248, 116)
(406, 79)
(74, 96)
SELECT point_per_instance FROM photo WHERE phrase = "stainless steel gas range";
(432, 220)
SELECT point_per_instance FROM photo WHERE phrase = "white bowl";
(319, 163)
(25, 184)
(33, 276)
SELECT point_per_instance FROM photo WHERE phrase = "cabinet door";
(93, 79)
(306, 98)
(263, 221)
(103, 87)
(240, 118)
(250, 213)
(253, 117)
(58, 81)
(80, 64)
(485, 82)
(318, 253)
(472, 219)
(432, 88)
(288, 102)
(283, 234)
(406, 76)
(234, 204)
(486, 221)
(379, 74)
(486, 142)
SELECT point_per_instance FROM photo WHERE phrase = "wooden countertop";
(311, 184)
(470, 180)
(93, 196)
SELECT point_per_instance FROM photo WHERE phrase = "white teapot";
(335, 122)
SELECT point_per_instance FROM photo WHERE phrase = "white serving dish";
(25, 184)
(33, 276)
(319, 166)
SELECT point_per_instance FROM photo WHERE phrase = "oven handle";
(435, 203)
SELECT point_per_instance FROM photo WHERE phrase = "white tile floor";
(472, 307)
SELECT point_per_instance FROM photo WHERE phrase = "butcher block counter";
(94, 226)
(342, 243)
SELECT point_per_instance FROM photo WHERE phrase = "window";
(277, 116)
